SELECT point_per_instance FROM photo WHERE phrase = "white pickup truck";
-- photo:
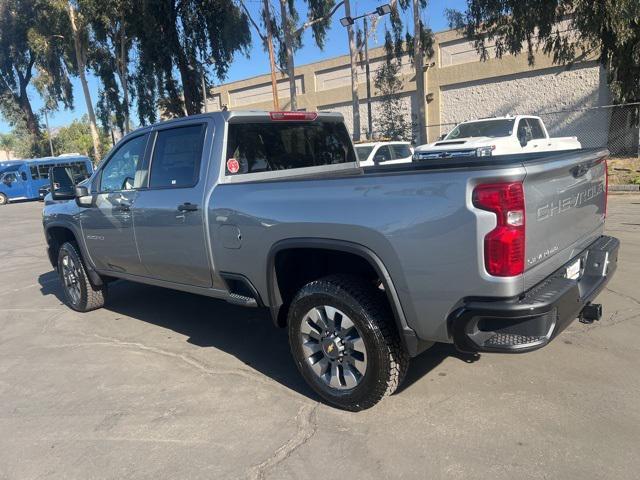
(496, 136)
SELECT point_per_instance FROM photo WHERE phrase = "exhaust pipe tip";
(591, 312)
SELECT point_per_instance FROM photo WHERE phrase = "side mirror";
(442, 137)
(61, 184)
(83, 196)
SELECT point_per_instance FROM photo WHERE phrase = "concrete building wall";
(459, 86)
(555, 93)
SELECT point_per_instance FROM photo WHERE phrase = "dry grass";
(624, 170)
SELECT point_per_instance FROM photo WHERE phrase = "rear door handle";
(123, 207)
(187, 207)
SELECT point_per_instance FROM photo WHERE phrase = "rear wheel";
(79, 292)
(3, 199)
(344, 343)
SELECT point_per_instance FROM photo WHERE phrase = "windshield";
(485, 128)
(363, 152)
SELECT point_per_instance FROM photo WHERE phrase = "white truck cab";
(383, 153)
(496, 136)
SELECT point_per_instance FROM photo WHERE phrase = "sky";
(257, 62)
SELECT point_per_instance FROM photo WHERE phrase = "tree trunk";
(354, 75)
(288, 41)
(30, 118)
(122, 71)
(418, 62)
(85, 86)
(189, 80)
(272, 62)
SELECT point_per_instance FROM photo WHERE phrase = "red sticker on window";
(233, 165)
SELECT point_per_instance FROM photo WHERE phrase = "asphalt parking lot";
(163, 384)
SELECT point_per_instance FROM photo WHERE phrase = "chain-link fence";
(616, 127)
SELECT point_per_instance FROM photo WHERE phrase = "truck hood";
(457, 144)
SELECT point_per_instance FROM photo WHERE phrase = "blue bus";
(27, 179)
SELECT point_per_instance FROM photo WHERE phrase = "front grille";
(441, 155)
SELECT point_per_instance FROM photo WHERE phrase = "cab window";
(176, 157)
(382, 155)
(401, 151)
(536, 128)
(120, 172)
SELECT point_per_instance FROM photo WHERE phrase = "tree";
(418, 47)
(81, 46)
(391, 118)
(187, 37)
(111, 22)
(7, 144)
(609, 29)
(290, 35)
(76, 137)
(34, 36)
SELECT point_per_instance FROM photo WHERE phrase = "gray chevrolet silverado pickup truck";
(365, 267)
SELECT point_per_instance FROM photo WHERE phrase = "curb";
(624, 188)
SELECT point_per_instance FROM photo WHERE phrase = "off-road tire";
(366, 306)
(91, 297)
(3, 199)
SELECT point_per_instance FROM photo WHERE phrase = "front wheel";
(344, 342)
(79, 292)
(3, 199)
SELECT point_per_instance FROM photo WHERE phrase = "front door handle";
(123, 207)
(187, 207)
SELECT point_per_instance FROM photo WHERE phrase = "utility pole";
(204, 92)
(418, 62)
(354, 74)
(288, 43)
(272, 61)
(366, 62)
(46, 121)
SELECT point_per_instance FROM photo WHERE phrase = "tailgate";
(565, 199)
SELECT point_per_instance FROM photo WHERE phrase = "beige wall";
(459, 86)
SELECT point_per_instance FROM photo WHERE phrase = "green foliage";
(34, 36)
(609, 29)
(316, 10)
(7, 143)
(390, 120)
(76, 137)
(399, 44)
(187, 38)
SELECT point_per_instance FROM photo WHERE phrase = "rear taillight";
(293, 116)
(504, 245)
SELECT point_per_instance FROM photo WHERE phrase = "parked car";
(496, 136)
(24, 179)
(365, 269)
(383, 153)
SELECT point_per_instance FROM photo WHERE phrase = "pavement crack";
(307, 426)
(624, 295)
(190, 361)
(184, 358)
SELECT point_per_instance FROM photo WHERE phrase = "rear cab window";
(268, 146)
(176, 157)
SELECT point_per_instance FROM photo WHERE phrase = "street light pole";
(368, 73)
(348, 22)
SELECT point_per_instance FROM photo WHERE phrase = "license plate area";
(574, 269)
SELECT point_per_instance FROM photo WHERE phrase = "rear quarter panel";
(420, 224)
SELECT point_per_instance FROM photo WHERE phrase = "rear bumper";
(531, 321)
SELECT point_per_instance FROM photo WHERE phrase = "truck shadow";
(246, 333)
